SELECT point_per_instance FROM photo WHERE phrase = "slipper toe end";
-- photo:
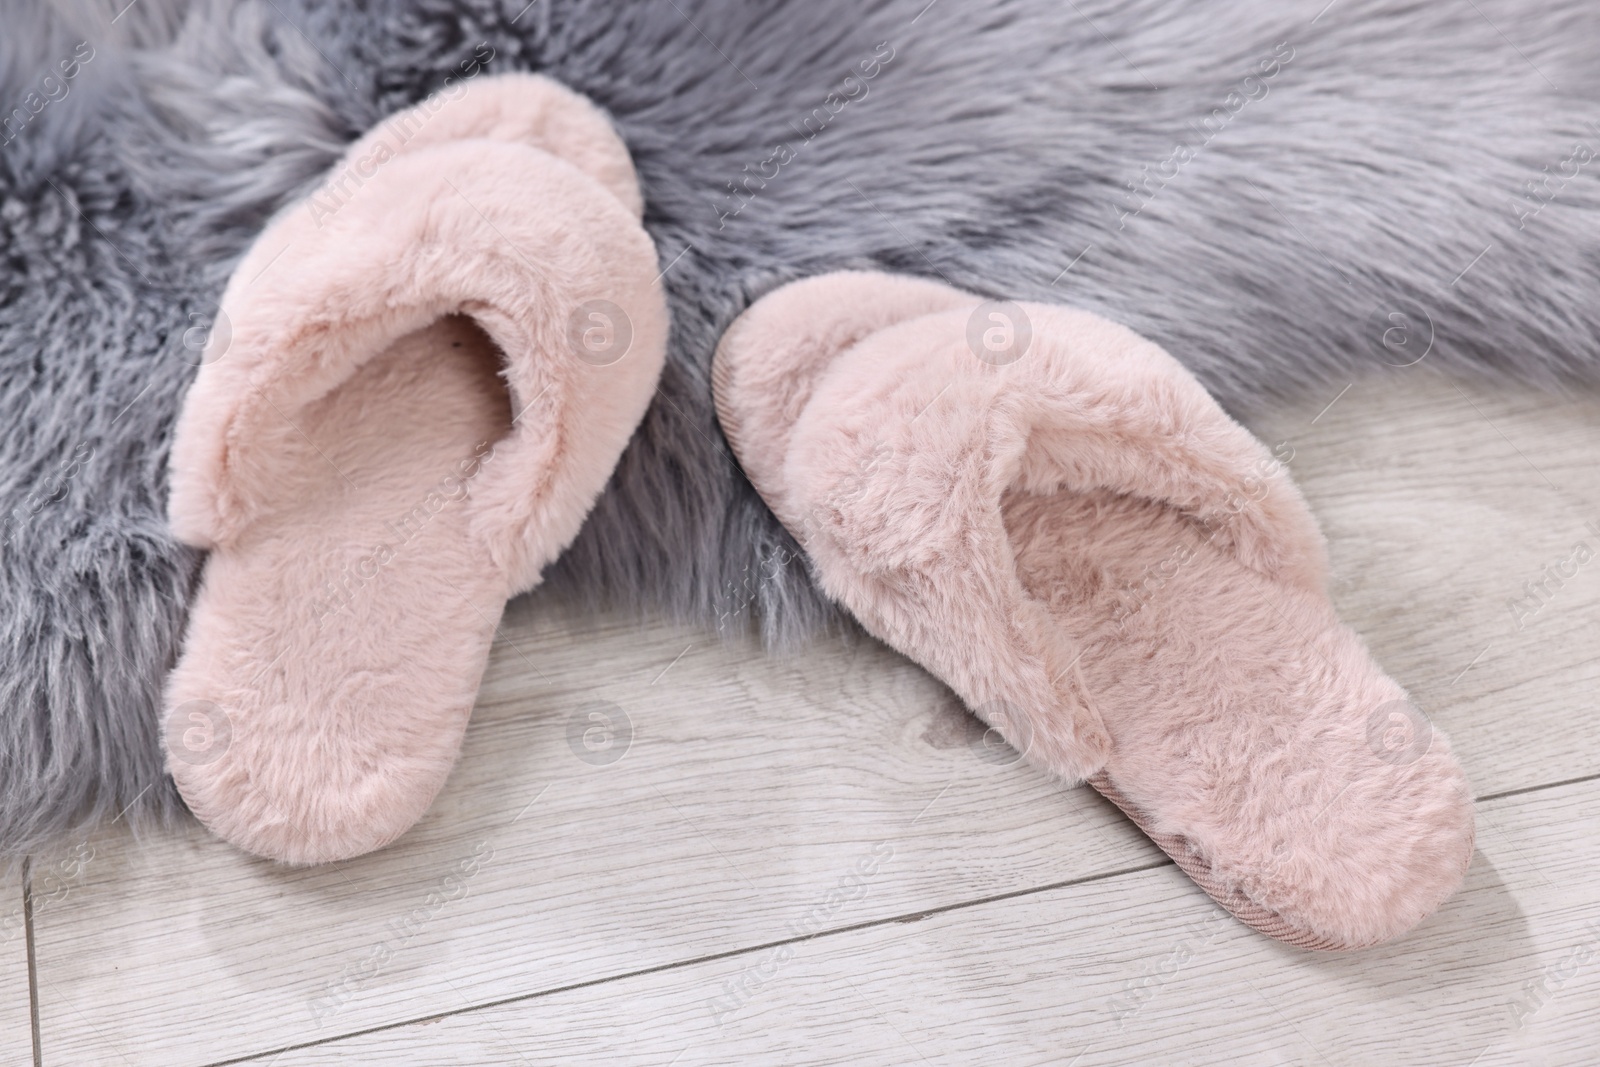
(1376, 877)
(1343, 828)
(282, 794)
(1380, 856)
(282, 817)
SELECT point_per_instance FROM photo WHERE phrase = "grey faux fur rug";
(1278, 192)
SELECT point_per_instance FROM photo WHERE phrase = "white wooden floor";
(809, 860)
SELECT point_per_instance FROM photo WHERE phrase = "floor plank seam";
(708, 958)
(907, 917)
(1524, 790)
(33, 966)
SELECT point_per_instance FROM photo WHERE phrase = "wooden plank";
(1441, 502)
(16, 1025)
(1136, 969)
(749, 782)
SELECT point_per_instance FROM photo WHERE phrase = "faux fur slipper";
(1055, 518)
(431, 369)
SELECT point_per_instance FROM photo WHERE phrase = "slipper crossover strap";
(525, 243)
(902, 454)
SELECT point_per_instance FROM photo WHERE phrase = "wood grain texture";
(1126, 970)
(758, 799)
(1441, 501)
(16, 1025)
(750, 789)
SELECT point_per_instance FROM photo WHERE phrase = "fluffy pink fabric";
(399, 436)
(516, 108)
(1113, 573)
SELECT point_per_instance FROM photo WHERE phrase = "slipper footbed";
(332, 633)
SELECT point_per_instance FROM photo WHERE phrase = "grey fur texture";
(1281, 194)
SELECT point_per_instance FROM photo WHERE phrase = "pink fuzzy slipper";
(1052, 516)
(421, 379)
